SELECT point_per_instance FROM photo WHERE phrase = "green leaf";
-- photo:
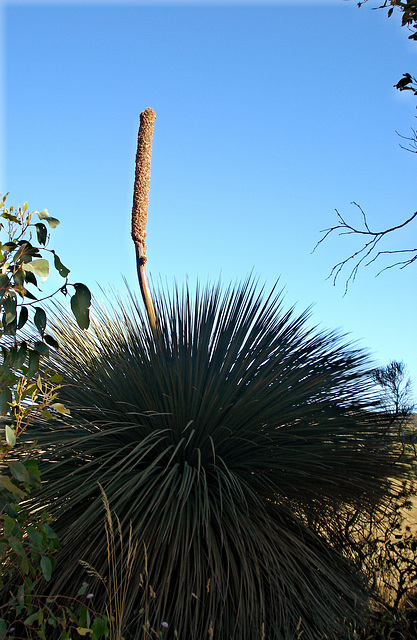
(40, 267)
(80, 304)
(56, 378)
(26, 252)
(24, 314)
(33, 363)
(83, 620)
(41, 348)
(9, 328)
(4, 283)
(18, 547)
(58, 406)
(4, 627)
(11, 526)
(34, 473)
(46, 567)
(8, 246)
(31, 619)
(21, 355)
(8, 484)
(5, 399)
(62, 270)
(18, 471)
(42, 232)
(52, 342)
(40, 320)
(82, 631)
(82, 589)
(99, 627)
(10, 435)
(10, 216)
(9, 304)
(42, 215)
(19, 279)
(31, 279)
(53, 222)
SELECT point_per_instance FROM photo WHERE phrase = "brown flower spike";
(140, 206)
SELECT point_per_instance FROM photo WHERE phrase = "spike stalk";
(140, 206)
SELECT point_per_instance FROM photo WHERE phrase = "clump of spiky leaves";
(213, 437)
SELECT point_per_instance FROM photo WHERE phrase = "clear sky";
(270, 115)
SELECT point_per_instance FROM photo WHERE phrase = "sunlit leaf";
(53, 222)
(10, 436)
(10, 217)
(58, 406)
(56, 378)
(42, 215)
(39, 267)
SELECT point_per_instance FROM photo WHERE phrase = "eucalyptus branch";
(38, 300)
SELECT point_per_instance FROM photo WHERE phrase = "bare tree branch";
(359, 257)
(412, 147)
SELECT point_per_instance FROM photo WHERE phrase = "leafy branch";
(409, 11)
(29, 391)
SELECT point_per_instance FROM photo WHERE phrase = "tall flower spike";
(140, 206)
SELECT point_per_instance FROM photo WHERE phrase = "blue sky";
(270, 115)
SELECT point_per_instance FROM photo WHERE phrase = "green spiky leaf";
(222, 438)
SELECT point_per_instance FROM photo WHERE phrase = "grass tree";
(217, 431)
